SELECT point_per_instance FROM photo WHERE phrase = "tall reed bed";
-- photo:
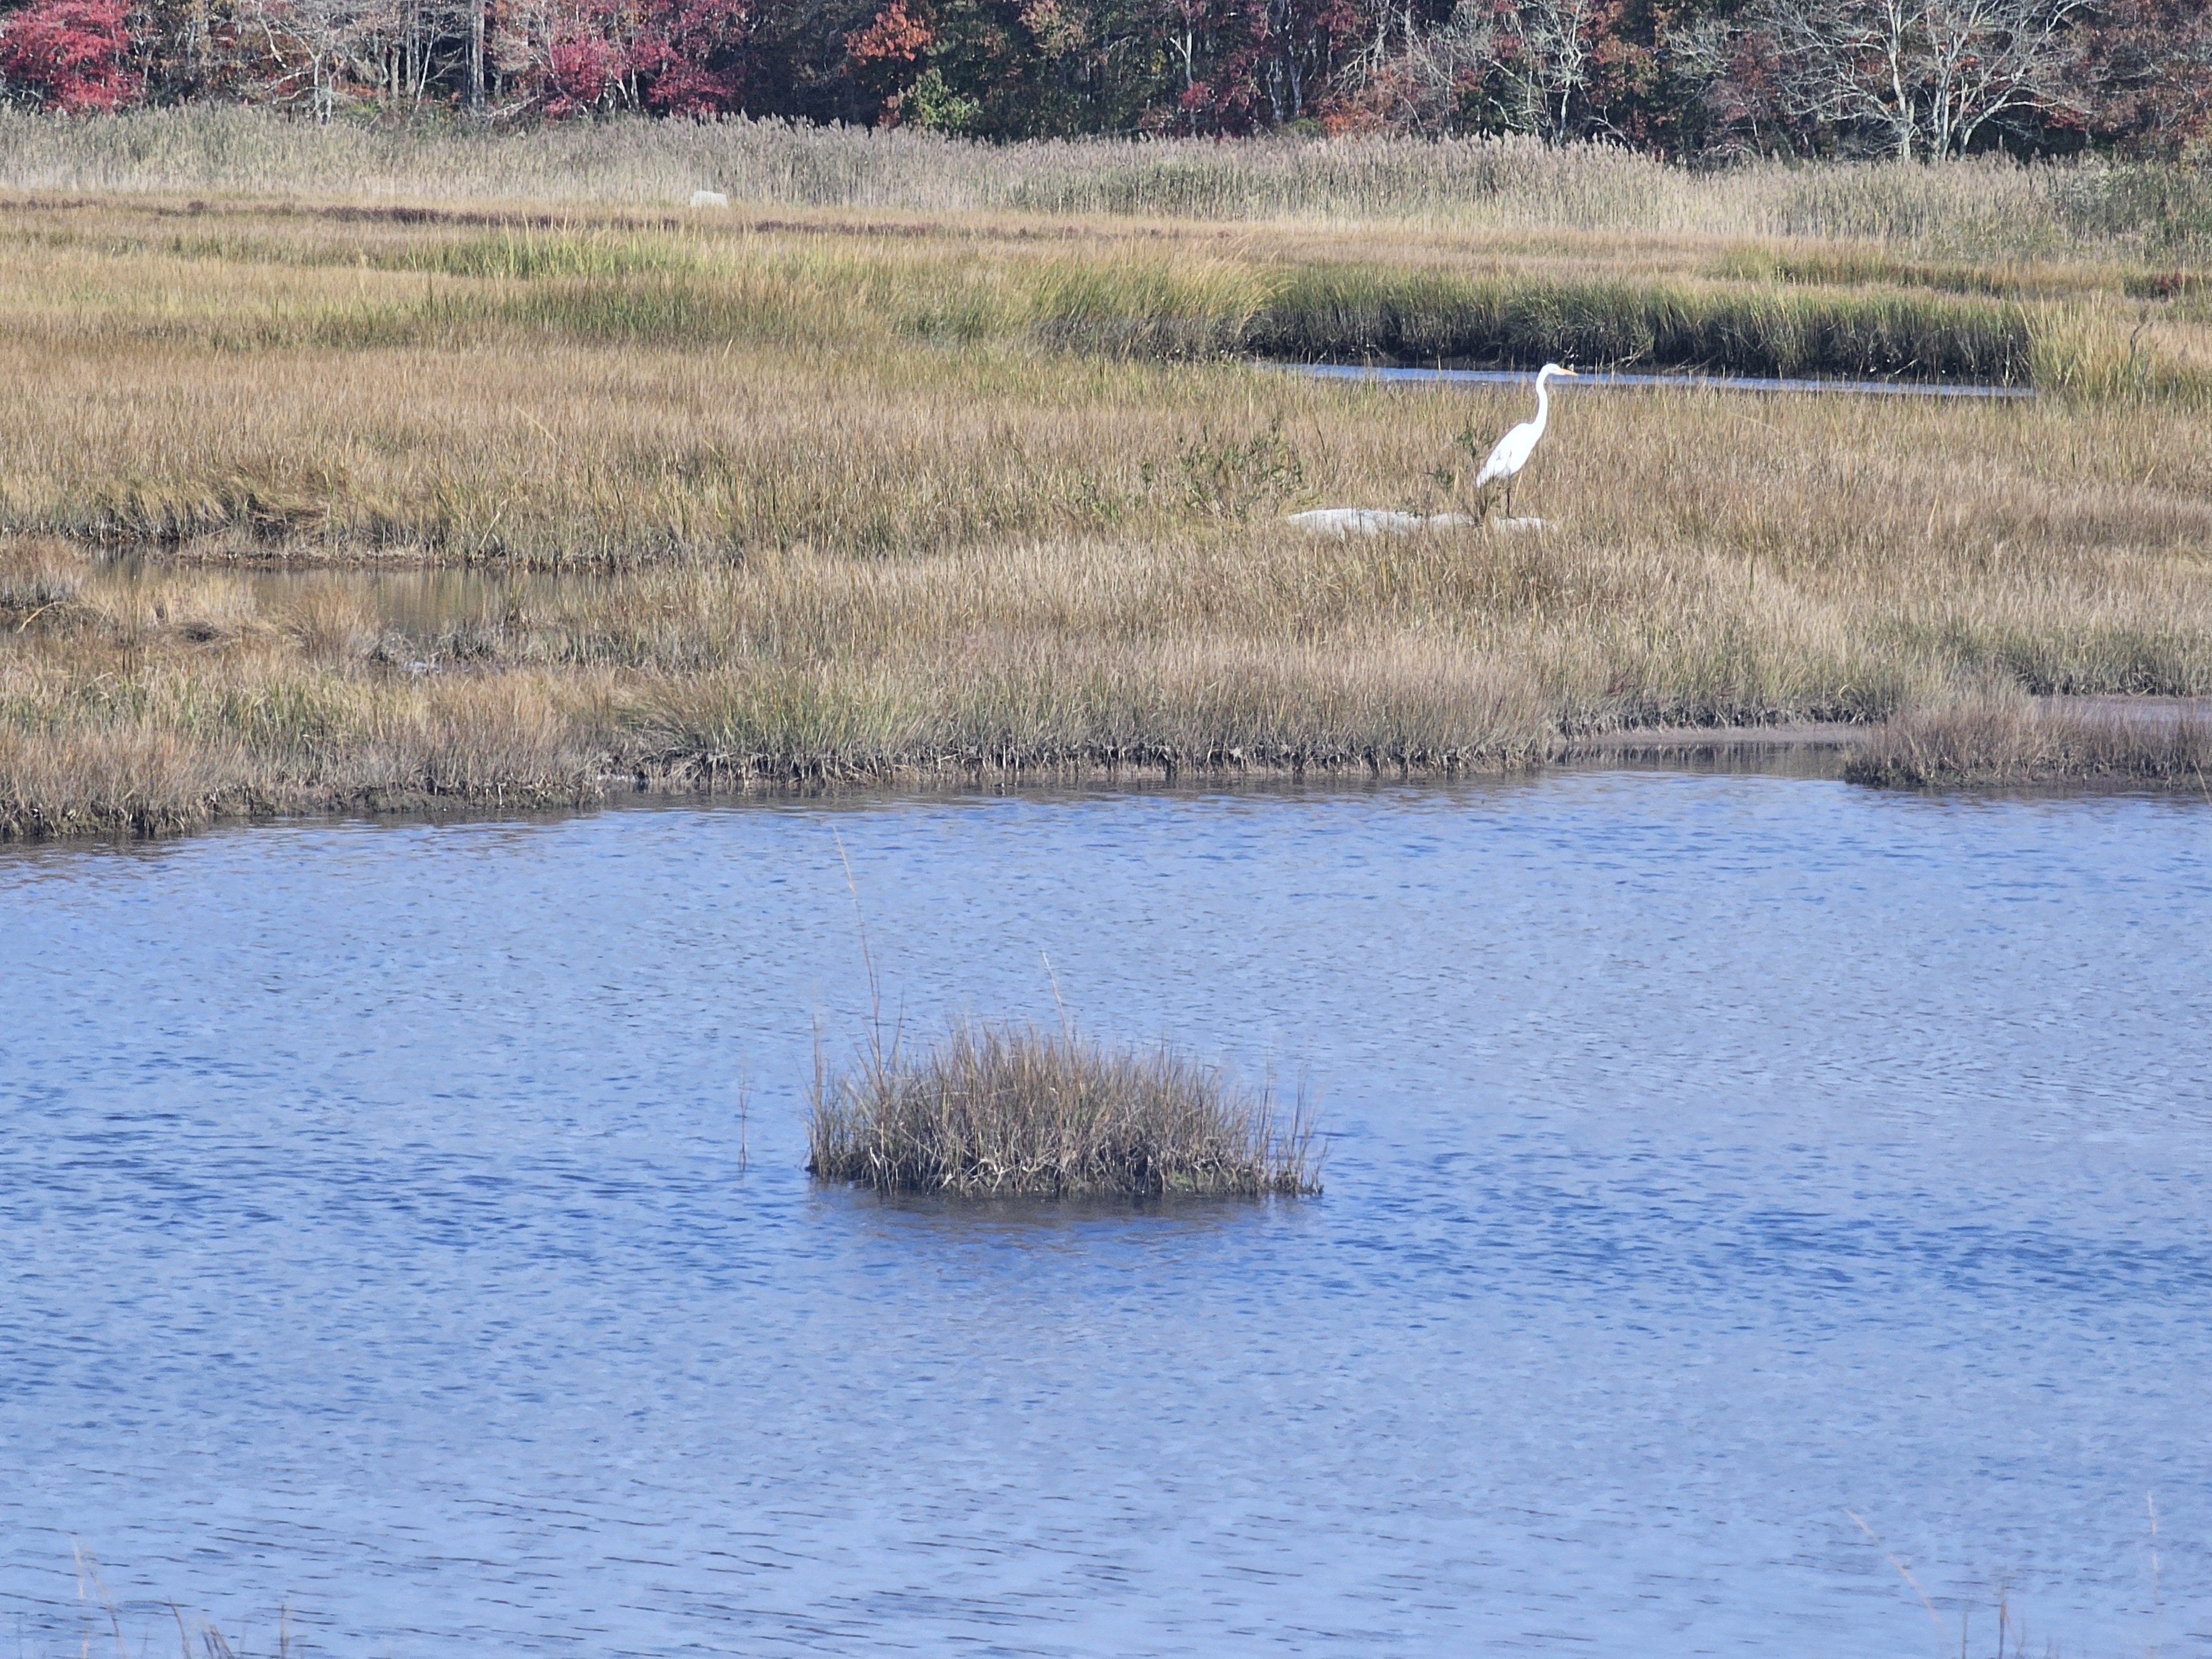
(1981, 208)
(1006, 1110)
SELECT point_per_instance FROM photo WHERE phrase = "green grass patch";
(1349, 314)
(1862, 267)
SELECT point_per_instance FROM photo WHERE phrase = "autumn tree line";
(1685, 78)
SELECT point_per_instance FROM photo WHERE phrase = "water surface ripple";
(1716, 1158)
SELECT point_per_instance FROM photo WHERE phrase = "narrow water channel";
(1677, 382)
(1718, 1162)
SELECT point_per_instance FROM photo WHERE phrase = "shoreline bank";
(2066, 744)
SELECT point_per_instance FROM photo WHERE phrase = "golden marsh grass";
(975, 494)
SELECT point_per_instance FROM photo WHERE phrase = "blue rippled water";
(1715, 1158)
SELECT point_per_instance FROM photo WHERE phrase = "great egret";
(1513, 449)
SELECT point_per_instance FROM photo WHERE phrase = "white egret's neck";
(1543, 401)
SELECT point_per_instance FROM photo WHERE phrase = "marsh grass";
(1484, 250)
(827, 386)
(159, 707)
(1006, 1110)
(1811, 560)
(1311, 297)
(2000, 741)
(181, 762)
(1203, 708)
(877, 496)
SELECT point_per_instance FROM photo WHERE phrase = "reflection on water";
(1715, 1158)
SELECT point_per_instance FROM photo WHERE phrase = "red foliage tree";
(1267, 63)
(583, 68)
(679, 57)
(72, 53)
(882, 55)
(692, 54)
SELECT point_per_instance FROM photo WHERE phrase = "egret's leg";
(1509, 478)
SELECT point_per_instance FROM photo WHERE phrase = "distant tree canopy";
(1682, 78)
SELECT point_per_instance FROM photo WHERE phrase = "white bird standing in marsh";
(1507, 457)
(1513, 450)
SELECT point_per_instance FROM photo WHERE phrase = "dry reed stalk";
(1003, 1110)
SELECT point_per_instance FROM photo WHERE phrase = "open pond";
(1716, 1158)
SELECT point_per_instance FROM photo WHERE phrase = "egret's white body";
(1513, 450)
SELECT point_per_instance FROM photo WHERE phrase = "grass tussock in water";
(1003, 1110)
(2001, 741)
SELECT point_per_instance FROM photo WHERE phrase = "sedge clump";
(1014, 1111)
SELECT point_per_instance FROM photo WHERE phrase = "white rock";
(709, 198)
(1375, 521)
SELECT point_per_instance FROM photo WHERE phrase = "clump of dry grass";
(1005, 1110)
(1999, 741)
